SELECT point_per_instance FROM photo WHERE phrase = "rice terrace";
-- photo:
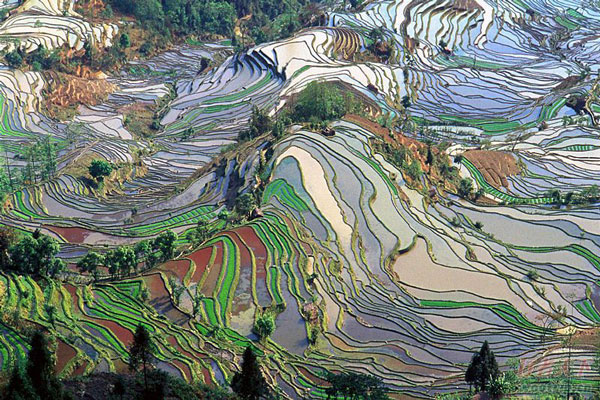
(257, 199)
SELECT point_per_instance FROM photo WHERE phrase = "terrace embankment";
(495, 166)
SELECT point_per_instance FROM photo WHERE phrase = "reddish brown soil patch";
(74, 298)
(178, 267)
(64, 354)
(200, 258)
(124, 335)
(587, 337)
(80, 370)
(161, 300)
(214, 271)
(71, 235)
(207, 376)
(173, 342)
(311, 377)
(495, 166)
(418, 150)
(185, 370)
(245, 259)
(139, 117)
(384, 133)
(257, 247)
(68, 90)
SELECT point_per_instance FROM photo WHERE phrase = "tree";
(176, 290)
(165, 243)
(36, 255)
(142, 250)
(264, 325)
(14, 59)
(90, 263)
(260, 123)
(200, 234)
(50, 312)
(124, 41)
(430, 157)
(406, 102)
(319, 100)
(465, 187)
(140, 353)
(533, 275)
(40, 368)
(121, 260)
(98, 169)
(483, 368)
(355, 386)
(7, 240)
(249, 383)
(245, 203)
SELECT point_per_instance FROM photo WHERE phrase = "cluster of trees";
(316, 105)
(39, 59)
(321, 102)
(264, 325)
(261, 123)
(31, 255)
(102, 59)
(36, 380)
(268, 20)
(125, 259)
(354, 386)
(588, 195)
(40, 166)
(378, 45)
(41, 161)
(484, 375)
(401, 158)
(201, 233)
(181, 16)
(99, 169)
(247, 384)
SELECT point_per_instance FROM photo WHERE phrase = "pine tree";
(483, 369)
(249, 383)
(19, 387)
(140, 352)
(40, 368)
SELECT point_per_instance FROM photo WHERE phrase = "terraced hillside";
(365, 269)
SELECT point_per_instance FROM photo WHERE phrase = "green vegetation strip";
(498, 194)
(504, 311)
(286, 195)
(594, 259)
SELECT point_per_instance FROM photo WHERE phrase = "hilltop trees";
(260, 123)
(98, 169)
(319, 102)
(465, 188)
(121, 260)
(483, 369)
